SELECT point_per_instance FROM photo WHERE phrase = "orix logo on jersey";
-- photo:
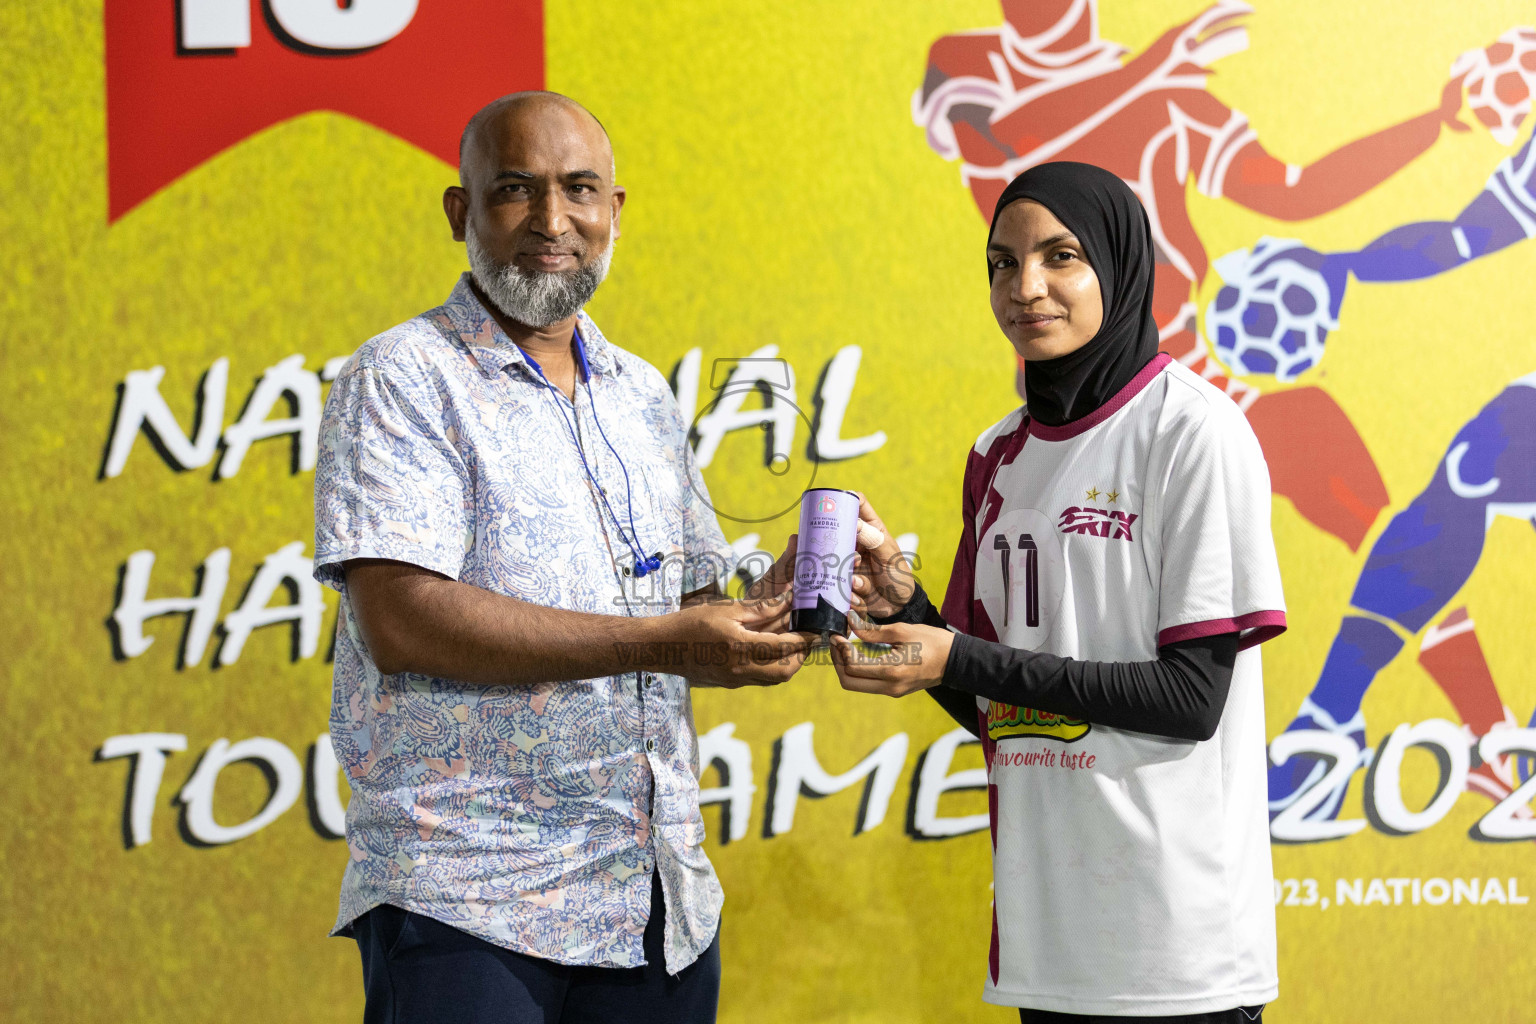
(187, 79)
(1097, 522)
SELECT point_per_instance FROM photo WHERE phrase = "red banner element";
(169, 109)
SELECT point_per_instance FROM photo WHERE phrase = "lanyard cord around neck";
(643, 565)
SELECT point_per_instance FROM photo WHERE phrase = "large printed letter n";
(143, 407)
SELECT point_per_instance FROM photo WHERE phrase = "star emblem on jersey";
(1111, 496)
(1093, 493)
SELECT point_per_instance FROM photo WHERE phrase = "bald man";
(530, 576)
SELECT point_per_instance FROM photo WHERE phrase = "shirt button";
(650, 745)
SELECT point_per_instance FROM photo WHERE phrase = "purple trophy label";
(829, 526)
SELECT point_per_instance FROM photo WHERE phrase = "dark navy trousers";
(420, 971)
(1240, 1015)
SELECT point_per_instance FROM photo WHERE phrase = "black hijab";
(1105, 215)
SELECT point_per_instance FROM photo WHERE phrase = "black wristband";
(914, 611)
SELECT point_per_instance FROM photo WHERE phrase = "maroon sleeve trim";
(1256, 628)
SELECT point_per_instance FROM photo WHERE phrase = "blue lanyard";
(643, 565)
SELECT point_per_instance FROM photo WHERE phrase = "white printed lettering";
(327, 25)
(733, 757)
(934, 779)
(286, 378)
(800, 773)
(148, 750)
(143, 407)
(286, 566)
(134, 607)
(197, 795)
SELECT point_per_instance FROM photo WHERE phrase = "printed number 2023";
(1296, 892)
(1313, 815)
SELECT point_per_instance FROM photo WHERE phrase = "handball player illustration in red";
(1043, 86)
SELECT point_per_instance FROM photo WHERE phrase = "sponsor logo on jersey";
(1097, 522)
(1005, 721)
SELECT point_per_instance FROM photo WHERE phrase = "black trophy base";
(823, 619)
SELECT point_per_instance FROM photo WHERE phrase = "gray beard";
(535, 298)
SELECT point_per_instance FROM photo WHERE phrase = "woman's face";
(1044, 294)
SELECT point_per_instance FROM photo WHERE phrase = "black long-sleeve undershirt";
(1180, 695)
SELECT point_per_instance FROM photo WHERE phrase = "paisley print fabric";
(536, 817)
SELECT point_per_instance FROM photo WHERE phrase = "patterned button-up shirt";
(535, 817)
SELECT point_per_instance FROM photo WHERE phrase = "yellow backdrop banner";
(207, 206)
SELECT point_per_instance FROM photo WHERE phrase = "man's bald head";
(505, 113)
(536, 207)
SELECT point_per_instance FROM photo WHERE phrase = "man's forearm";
(418, 622)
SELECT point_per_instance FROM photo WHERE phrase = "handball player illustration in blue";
(1279, 302)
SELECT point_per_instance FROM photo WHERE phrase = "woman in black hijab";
(1099, 634)
(1117, 240)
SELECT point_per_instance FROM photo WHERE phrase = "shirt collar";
(482, 337)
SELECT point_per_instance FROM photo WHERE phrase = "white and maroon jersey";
(1132, 872)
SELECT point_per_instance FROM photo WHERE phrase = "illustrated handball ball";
(1274, 311)
(1500, 82)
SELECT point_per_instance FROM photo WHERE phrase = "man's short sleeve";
(389, 482)
(1219, 573)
